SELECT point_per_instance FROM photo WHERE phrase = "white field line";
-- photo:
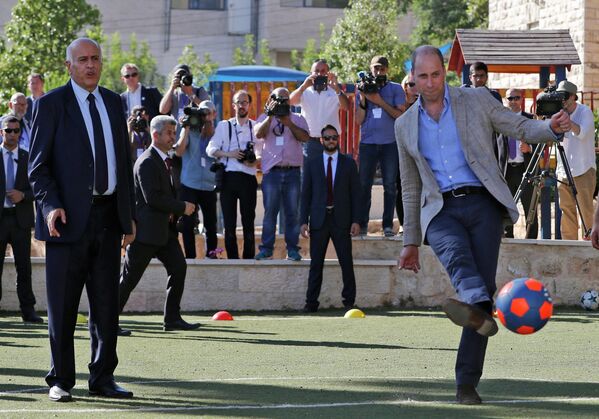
(404, 402)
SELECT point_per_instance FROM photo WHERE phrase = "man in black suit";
(137, 94)
(517, 158)
(330, 205)
(16, 215)
(157, 213)
(81, 176)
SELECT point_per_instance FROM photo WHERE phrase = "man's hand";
(408, 259)
(189, 208)
(234, 154)
(15, 196)
(354, 230)
(130, 122)
(175, 82)
(305, 231)
(525, 148)
(51, 221)
(560, 122)
(129, 238)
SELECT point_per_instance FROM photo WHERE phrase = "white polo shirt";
(320, 109)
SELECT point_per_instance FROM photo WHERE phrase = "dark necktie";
(169, 167)
(10, 178)
(101, 162)
(330, 182)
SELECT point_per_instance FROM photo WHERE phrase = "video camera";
(140, 124)
(367, 82)
(248, 154)
(280, 108)
(185, 76)
(194, 118)
(550, 102)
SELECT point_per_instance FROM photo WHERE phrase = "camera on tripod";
(140, 123)
(248, 154)
(280, 108)
(550, 101)
(194, 118)
(185, 76)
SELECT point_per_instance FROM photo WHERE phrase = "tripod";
(537, 179)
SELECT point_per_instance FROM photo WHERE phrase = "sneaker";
(294, 255)
(388, 232)
(264, 254)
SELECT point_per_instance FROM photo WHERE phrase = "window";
(331, 4)
(207, 4)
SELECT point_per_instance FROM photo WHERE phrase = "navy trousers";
(465, 236)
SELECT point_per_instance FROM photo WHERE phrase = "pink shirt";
(279, 147)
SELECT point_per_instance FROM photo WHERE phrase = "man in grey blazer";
(456, 198)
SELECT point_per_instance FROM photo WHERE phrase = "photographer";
(233, 145)
(181, 93)
(138, 125)
(579, 146)
(280, 134)
(320, 97)
(376, 112)
(197, 180)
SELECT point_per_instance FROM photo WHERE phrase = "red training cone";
(222, 315)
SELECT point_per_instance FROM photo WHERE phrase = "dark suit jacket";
(155, 198)
(503, 147)
(346, 193)
(61, 163)
(24, 209)
(150, 98)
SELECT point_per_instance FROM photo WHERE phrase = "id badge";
(279, 140)
(377, 113)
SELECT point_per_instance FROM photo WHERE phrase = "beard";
(242, 113)
(331, 147)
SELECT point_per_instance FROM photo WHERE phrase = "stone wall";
(566, 267)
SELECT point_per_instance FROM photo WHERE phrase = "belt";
(514, 164)
(9, 211)
(465, 190)
(103, 199)
(330, 210)
(284, 167)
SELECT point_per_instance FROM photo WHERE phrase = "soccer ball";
(524, 305)
(589, 300)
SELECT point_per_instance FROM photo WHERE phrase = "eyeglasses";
(411, 84)
(330, 137)
(512, 98)
(242, 103)
(11, 130)
(127, 76)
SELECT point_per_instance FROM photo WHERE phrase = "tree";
(37, 35)
(200, 70)
(264, 51)
(245, 55)
(311, 52)
(367, 28)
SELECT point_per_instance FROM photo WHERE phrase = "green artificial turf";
(390, 364)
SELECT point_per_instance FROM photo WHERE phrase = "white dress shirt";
(325, 159)
(240, 136)
(81, 95)
(134, 98)
(320, 109)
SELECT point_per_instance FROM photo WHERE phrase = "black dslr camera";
(280, 108)
(248, 155)
(550, 102)
(185, 77)
(320, 83)
(219, 175)
(140, 124)
(367, 83)
(194, 118)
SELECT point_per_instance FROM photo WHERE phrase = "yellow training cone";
(81, 319)
(354, 313)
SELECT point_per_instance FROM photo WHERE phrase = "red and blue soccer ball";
(524, 305)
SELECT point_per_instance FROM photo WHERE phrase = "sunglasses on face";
(11, 130)
(128, 76)
(411, 84)
(331, 138)
(512, 98)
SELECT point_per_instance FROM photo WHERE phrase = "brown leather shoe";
(471, 316)
(467, 394)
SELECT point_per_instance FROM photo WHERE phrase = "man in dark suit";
(157, 212)
(81, 175)
(137, 94)
(16, 215)
(330, 205)
(518, 156)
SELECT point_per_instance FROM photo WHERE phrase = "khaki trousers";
(585, 186)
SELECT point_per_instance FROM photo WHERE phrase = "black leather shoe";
(309, 309)
(467, 394)
(471, 316)
(111, 389)
(180, 325)
(57, 394)
(30, 316)
(123, 332)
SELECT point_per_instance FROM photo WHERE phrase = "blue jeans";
(281, 185)
(386, 155)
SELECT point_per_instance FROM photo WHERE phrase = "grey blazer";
(477, 115)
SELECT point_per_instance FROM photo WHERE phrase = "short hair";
(159, 122)
(9, 119)
(242, 92)
(426, 50)
(138, 108)
(127, 65)
(480, 66)
(35, 76)
(329, 126)
(72, 45)
(320, 61)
